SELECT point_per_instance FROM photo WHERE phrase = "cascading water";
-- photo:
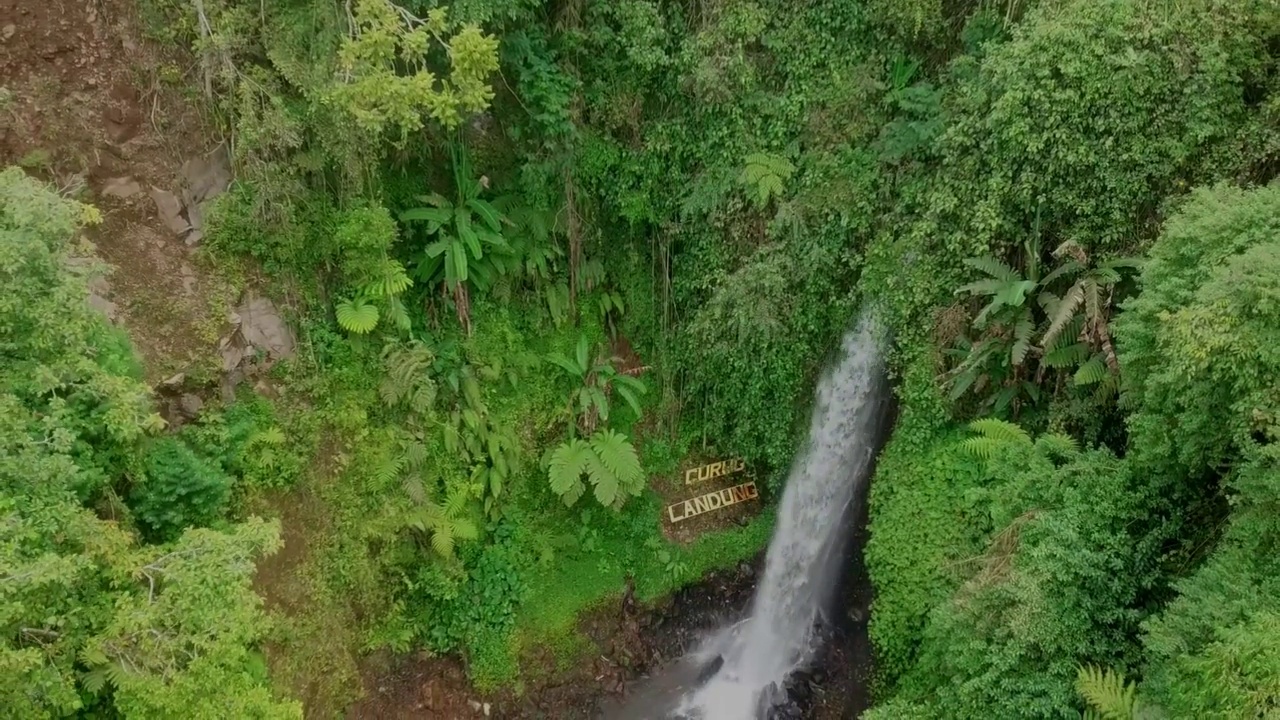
(753, 658)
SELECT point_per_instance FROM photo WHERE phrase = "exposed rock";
(174, 380)
(262, 327)
(709, 670)
(104, 306)
(170, 210)
(232, 353)
(190, 405)
(207, 177)
(121, 187)
(259, 329)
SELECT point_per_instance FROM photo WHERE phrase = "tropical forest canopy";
(1062, 210)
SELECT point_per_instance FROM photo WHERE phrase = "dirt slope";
(82, 105)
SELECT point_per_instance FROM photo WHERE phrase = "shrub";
(179, 490)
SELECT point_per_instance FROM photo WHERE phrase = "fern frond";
(1001, 430)
(94, 681)
(1070, 267)
(1069, 334)
(565, 468)
(1057, 444)
(603, 482)
(763, 175)
(1107, 692)
(394, 281)
(982, 448)
(388, 469)
(442, 539)
(1063, 312)
(1093, 371)
(465, 529)
(990, 286)
(1092, 299)
(618, 456)
(414, 488)
(455, 502)
(398, 313)
(1021, 340)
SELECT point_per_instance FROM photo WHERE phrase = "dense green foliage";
(539, 249)
(94, 620)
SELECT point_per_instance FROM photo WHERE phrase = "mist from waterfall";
(803, 563)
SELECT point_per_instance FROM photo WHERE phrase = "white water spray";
(802, 567)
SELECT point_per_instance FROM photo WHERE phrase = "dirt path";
(82, 105)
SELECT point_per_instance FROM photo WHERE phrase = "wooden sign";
(713, 471)
(712, 501)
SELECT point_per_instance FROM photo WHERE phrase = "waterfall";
(803, 563)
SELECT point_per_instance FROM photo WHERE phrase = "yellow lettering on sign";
(715, 470)
(712, 501)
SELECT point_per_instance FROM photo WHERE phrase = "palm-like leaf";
(487, 213)
(357, 315)
(993, 267)
(569, 366)
(628, 394)
(603, 482)
(567, 464)
(617, 454)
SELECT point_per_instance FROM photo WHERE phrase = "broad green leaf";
(630, 396)
(357, 315)
(487, 214)
(427, 214)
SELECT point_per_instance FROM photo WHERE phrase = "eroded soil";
(82, 106)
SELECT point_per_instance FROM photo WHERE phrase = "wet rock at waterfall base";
(710, 669)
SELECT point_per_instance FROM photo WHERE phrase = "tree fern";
(617, 454)
(408, 377)
(442, 526)
(603, 482)
(764, 175)
(1057, 444)
(567, 464)
(608, 460)
(1107, 694)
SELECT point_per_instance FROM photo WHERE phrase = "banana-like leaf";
(487, 213)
